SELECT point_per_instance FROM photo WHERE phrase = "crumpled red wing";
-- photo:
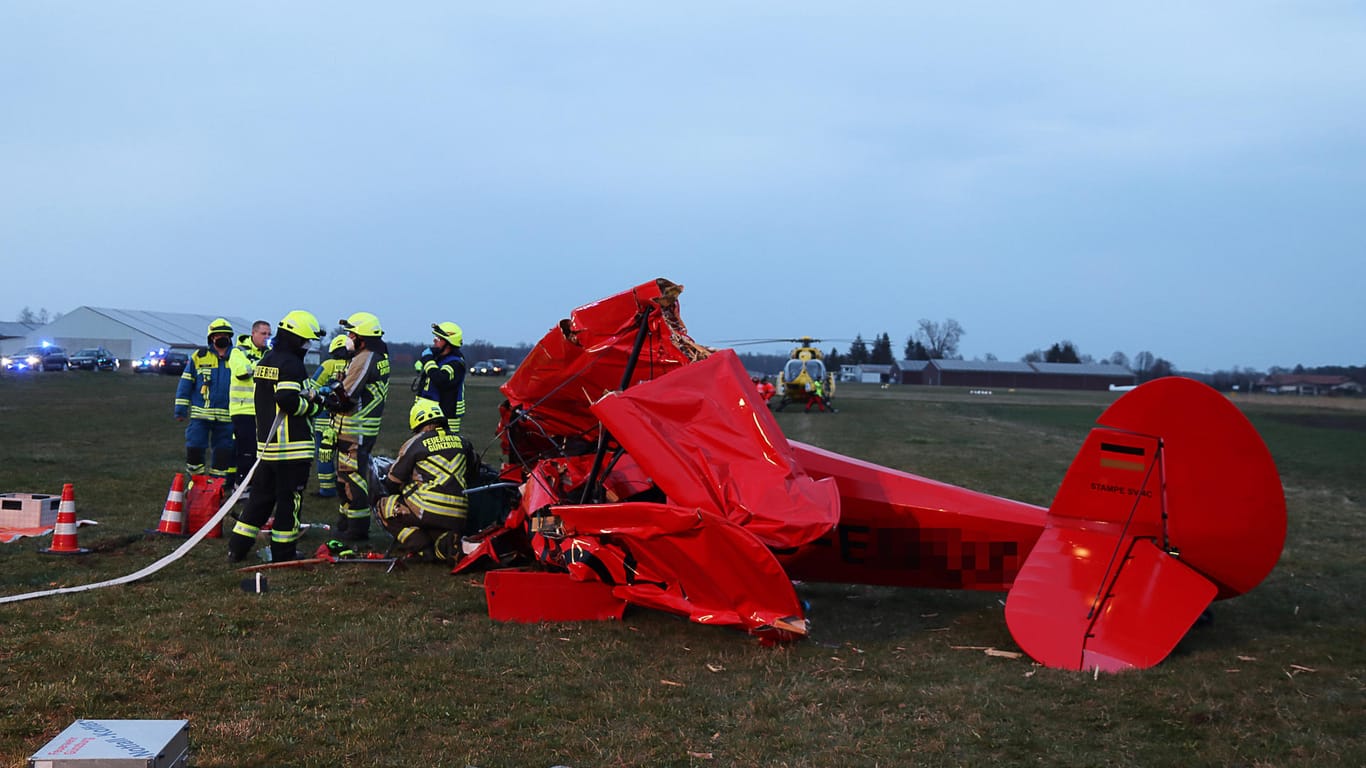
(709, 442)
(692, 563)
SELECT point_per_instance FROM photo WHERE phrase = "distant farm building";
(868, 373)
(1308, 384)
(1008, 375)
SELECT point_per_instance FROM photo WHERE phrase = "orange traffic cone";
(173, 515)
(64, 535)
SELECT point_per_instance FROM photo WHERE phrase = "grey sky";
(1185, 178)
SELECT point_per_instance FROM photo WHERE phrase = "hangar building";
(1010, 375)
(129, 333)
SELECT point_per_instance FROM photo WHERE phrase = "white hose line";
(175, 555)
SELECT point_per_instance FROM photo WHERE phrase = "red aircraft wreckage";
(650, 474)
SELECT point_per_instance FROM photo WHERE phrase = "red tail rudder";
(1173, 501)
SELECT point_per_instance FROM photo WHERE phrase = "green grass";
(359, 667)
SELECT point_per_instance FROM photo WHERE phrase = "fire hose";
(174, 555)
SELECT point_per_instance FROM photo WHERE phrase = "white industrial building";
(14, 336)
(129, 333)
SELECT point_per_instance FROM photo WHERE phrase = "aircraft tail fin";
(1173, 501)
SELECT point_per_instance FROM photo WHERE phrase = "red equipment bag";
(202, 501)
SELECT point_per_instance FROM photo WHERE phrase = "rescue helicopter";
(803, 373)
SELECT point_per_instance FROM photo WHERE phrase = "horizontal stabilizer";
(1089, 599)
(1154, 601)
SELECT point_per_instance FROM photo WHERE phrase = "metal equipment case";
(117, 744)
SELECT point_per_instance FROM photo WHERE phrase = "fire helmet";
(450, 332)
(423, 411)
(363, 324)
(302, 324)
(220, 325)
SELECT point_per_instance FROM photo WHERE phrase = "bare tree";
(1143, 361)
(1119, 358)
(41, 317)
(940, 339)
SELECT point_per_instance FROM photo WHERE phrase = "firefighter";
(242, 362)
(328, 375)
(285, 439)
(358, 407)
(426, 506)
(441, 373)
(202, 396)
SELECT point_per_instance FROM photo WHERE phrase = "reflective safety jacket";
(331, 369)
(431, 470)
(443, 380)
(279, 382)
(242, 394)
(204, 387)
(366, 387)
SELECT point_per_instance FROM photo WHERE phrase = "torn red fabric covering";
(709, 442)
(693, 563)
(582, 359)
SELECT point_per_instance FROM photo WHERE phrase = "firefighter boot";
(447, 547)
(239, 547)
(357, 529)
(283, 551)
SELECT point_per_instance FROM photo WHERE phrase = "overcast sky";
(1185, 178)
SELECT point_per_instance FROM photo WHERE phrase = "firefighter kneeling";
(426, 508)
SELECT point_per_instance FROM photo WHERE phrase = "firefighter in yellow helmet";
(441, 372)
(284, 437)
(202, 396)
(426, 506)
(328, 376)
(358, 407)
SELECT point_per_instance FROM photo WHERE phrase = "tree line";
(931, 340)
(936, 340)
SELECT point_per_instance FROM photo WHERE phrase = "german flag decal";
(1126, 457)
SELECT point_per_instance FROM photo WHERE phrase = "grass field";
(338, 667)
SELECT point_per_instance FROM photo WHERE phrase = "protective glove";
(336, 401)
(327, 444)
(427, 356)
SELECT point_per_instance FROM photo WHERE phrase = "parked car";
(95, 359)
(164, 361)
(44, 357)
